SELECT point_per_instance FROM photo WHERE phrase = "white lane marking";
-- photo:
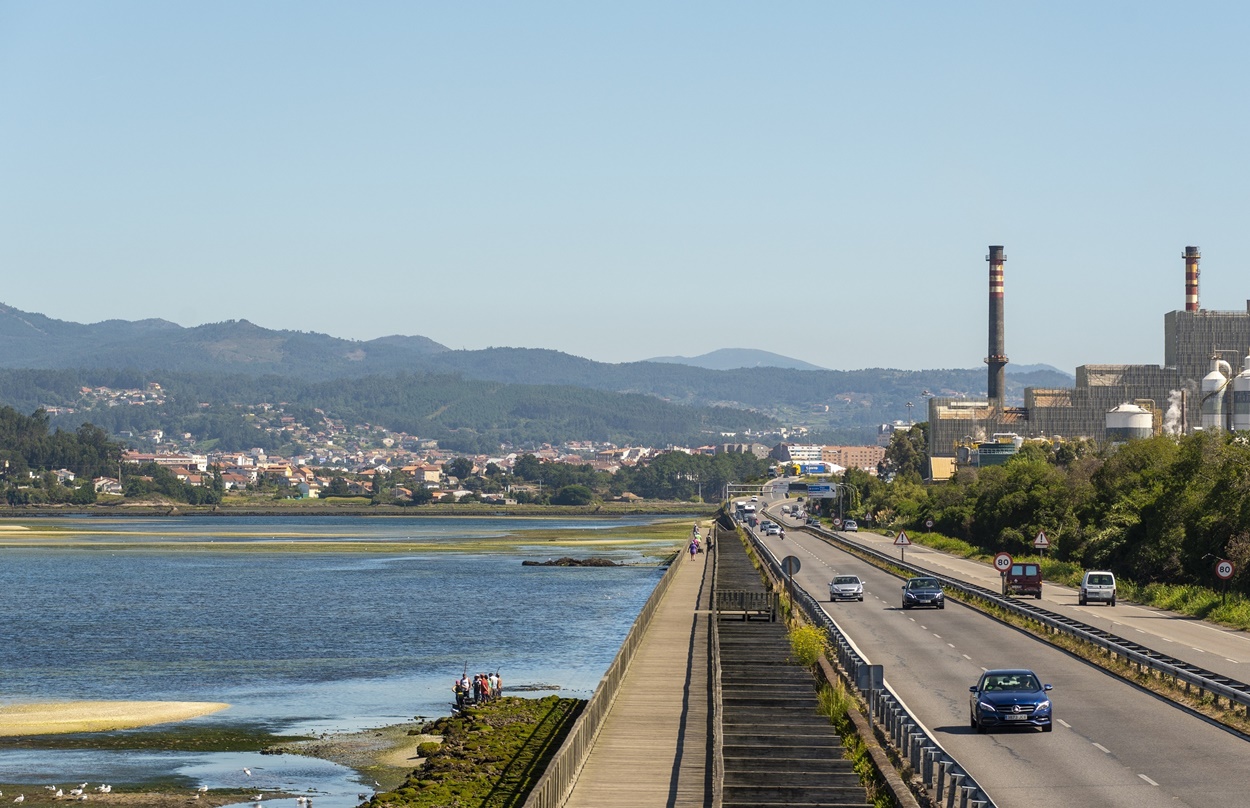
(1065, 723)
(951, 644)
(967, 657)
(1199, 650)
(1148, 780)
(1139, 631)
(912, 619)
(983, 670)
(1103, 748)
(1226, 659)
(1166, 639)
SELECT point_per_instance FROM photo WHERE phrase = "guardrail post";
(913, 749)
(966, 794)
(939, 788)
(929, 755)
(957, 780)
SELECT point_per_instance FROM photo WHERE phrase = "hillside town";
(339, 458)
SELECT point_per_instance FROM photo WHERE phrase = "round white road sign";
(1223, 569)
(1002, 562)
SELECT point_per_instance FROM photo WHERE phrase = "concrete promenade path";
(654, 749)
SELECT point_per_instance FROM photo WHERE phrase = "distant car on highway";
(846, 587)
(923, 592)
(1096, 585)
(772, 530)
(755, 499)
(850, 526)
(1009, 698)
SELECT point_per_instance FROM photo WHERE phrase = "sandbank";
(54, 718)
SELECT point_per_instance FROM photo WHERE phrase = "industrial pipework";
(997, 360)
(1191, 256)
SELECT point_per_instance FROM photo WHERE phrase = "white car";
(850, 527)
(846, 587)
(1097, 585)
(772, 530)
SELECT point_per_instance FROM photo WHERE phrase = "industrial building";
(1194, 388)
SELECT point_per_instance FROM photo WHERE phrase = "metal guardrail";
(557, 781)
(952, 785)
(1143, 658)
(713, 661)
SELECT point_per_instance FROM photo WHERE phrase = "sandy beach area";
(54, 718)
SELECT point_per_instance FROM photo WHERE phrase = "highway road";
(1222, 650)
(1113, 744)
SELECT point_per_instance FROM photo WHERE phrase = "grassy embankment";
(489, 756)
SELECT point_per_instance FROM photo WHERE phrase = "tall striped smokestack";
(1191, 256)
(997, 360)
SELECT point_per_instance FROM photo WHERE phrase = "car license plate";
(1014, 717)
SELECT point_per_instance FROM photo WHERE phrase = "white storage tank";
(1129, 421)
(1214, 416)
(1241, 397)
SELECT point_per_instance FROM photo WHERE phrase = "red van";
(1024, 578)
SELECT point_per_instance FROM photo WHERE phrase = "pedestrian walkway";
(653, 749)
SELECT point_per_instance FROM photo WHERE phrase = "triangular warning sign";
(901, 540)
(1041, 542)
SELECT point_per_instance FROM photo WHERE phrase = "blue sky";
(817, 179)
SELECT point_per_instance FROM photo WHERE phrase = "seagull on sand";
(20, 798)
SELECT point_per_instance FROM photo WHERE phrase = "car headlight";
(987, 707)
(1044, 707)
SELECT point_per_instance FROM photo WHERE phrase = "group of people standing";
(477, 689)
(696, 545)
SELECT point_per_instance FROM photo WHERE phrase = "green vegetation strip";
(490, 756)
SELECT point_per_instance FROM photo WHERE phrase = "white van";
(1097, 585)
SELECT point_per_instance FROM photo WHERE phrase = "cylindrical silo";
(1212, 389)
(1241, 397)
(1129, 421)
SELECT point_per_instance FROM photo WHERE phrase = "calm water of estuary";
(303, 625)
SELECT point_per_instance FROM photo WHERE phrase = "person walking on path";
(694, 549)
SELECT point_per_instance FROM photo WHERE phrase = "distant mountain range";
(734, 358)
(797, 393)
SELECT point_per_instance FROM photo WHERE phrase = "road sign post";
(1002, 563)
(902, 543)
(790, 565)
(1224, 570)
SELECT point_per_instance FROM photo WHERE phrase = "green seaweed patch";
(489, 756)
(239, 738)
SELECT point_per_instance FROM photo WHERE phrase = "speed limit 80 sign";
(1002, 562)
(1223, 569)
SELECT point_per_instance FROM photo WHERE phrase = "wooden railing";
(553, 787)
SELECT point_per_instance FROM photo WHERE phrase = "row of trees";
(1161, 509)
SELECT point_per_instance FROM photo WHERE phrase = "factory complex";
(1204, 383)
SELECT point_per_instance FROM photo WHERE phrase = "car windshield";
(1010, 681)
(846, 579)
(1100, 580)
(923, 583)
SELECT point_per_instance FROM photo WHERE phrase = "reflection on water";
(304, 642)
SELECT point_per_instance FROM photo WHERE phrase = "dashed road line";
(1148, 780)
(1065, 723)
(967, 657)
(1103, 748)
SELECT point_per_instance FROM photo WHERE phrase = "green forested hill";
(463, 414)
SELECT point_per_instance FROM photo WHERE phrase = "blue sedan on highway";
(1009, 698)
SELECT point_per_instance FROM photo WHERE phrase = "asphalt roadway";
(1113, 744)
